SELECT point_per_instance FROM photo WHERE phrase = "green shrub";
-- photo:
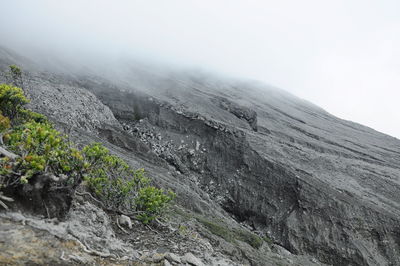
(118, 186)
(43, 149)
(111, 178)
(152, 201)
(14, 76)
(15, 71)
(11, 100)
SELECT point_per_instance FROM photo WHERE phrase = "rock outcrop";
(312, 182)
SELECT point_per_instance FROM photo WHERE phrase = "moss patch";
(231, 234)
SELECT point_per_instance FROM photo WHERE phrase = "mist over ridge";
(341, 56)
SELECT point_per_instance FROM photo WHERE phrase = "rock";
(172, 257)
(191, 259)
(240, 112)
(157, 257)
(87, 221)
(166, 263)
(88, 115)
(125, 220)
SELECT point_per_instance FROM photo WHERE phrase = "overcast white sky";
(341, 55)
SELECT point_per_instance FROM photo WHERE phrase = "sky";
(342, 55)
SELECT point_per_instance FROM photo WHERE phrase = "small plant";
(111, 178)
(14, 76)
(118, 186)
(268, 240)
(16, 72)
(11, 101)
(43, 149)
(152, 202)
(183, 230)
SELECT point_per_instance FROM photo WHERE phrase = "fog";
(341, 55)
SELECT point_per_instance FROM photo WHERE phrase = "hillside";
(240, 155)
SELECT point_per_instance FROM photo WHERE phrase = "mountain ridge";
(314, 183)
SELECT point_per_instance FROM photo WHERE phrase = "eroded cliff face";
(251, 175)
(313, 183)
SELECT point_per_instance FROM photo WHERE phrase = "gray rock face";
(240, 112)
(85, 223)
(313, 183)
(67, 104)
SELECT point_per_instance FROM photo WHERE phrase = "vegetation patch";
(122, 188)
(38, 161)
(231, 235)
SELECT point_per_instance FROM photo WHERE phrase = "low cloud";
(341, 55)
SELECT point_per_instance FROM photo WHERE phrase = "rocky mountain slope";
(244, 155)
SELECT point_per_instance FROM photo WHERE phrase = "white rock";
(125, 220)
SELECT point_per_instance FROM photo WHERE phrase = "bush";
(111, 178)
(14, 76)
(43, 149)
(15, 72)
(11, 101)
(152, 201)
(118, 186)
